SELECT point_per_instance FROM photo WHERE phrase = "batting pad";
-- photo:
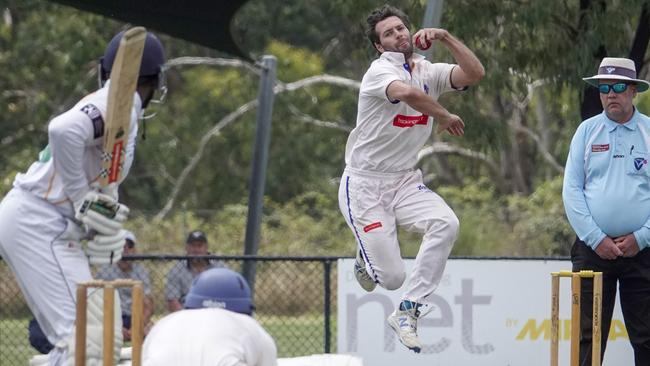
(321, 360)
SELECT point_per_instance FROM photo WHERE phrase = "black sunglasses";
(617, 88)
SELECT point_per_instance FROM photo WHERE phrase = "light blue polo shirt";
(607, 180)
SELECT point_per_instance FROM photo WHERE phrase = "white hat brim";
(130, 236)
(641, 85)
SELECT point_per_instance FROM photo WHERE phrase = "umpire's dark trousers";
(633, 278)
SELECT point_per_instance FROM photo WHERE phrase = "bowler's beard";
(408, 52)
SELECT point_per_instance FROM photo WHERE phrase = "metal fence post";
(260, 161)
(327, 264)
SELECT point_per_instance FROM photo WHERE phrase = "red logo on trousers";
(372, 226)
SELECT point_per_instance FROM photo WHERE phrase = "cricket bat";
(123, 83)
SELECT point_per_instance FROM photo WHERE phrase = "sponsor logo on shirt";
(372, 226)
(639, 163)
(618, 156)
(599, 147)
(410, 121)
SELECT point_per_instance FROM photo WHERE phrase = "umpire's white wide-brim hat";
(615, 68)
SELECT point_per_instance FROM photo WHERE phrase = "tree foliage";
(503, 177)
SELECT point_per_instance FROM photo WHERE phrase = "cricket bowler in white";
(216, 328)
(56, 205)
(381, 188)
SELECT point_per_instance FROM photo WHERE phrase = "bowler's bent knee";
(393, 281)
(445, 227)
(453, 226)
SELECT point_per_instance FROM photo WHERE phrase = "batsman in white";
(216, 328)
(381, 187)
(57, 204)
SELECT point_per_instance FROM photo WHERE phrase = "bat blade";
(122, 87)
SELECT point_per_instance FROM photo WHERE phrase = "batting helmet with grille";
(153, 57)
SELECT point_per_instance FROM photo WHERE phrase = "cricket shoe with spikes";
(405, 325)
(361, 274)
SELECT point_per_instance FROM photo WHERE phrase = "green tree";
(196, 158)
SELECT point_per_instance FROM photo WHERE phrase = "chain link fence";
(295, 299)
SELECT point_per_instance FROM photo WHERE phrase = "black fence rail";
(295, 298)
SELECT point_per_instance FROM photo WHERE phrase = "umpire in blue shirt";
(606, 196)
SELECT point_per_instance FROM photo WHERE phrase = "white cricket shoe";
(405, 324)
(361, 274)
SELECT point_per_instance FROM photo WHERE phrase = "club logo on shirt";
(410, 121)
(96, 118)
(422, 187)
(372, 226)
(599, 147)
(639, 163)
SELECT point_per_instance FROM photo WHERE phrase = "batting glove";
(111, 190)
(106, 249)
(101, 213)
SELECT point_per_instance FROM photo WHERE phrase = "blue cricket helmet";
(220, 288)
(153, 57)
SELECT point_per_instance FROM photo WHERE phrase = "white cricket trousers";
(46, 257)
(374, 203)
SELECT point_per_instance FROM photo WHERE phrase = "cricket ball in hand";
(420, 45)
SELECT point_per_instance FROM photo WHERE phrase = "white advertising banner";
(487, 312)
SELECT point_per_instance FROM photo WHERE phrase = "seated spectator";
(180, 276)
(126, 269)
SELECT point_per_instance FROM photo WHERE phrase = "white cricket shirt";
(72, 159)
(208, 337)
(389, 134)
